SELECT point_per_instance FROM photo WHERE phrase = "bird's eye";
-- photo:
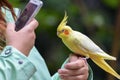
(66, 32)
(63, 30)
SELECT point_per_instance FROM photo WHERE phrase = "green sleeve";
(14, 65)
(56, 75)
(90, 77)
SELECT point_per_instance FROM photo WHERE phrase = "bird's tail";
(102, 64)
(105, 56)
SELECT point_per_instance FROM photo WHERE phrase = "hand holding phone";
(29, 12)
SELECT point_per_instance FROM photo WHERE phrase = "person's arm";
(74, 69)
(14, 64)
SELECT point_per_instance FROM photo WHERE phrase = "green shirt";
(16, 66)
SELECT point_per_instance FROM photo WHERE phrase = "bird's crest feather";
(63, 22)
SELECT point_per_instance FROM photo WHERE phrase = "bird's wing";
(86, 43)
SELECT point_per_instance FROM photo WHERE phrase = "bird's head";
(63, 30)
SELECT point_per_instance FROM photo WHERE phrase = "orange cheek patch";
(66, 32)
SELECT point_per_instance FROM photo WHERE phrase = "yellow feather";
(63, 22)
(101, 63)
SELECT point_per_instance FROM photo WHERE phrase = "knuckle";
(33, 36)
(36, 23)
(86, 68)
(78, 64)
(29, 30)
(85, 72)
(85, 75)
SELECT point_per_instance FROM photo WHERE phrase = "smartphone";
(28, 13)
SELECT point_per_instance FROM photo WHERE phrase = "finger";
(73, 58)
(32, 25)
(79, 77)
(76, 72)
(84, 59)
(76, 64)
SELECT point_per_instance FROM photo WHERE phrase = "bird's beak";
(58, 33)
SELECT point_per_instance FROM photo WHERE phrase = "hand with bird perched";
(80, 44)
(75, 69)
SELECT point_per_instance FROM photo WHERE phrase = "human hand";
(24, 39)
(75, 69)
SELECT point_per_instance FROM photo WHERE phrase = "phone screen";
(25, 16)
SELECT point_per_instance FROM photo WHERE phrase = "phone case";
(29, 12)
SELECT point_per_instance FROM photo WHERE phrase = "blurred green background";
(98, 19)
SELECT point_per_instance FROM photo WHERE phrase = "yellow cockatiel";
(82, 45)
